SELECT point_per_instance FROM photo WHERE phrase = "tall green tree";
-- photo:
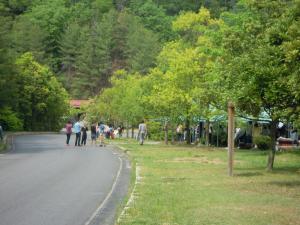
(7, 74)
(204, 34)
(51, 17)
(215, 6)
(142, 47)
(71, 43)
(153, 18)
(42, 101)
(94, 62)
(258, 69)
(134, 47)
(17, 7)
(26, 36)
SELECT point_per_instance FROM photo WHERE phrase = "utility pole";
(230, 137)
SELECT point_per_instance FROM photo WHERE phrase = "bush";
(155, 130)
(9, 120)
(263, 142)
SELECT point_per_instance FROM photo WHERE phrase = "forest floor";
(182, 185)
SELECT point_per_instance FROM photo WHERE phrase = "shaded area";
(287, 169)
(249, 174)
(294, 183)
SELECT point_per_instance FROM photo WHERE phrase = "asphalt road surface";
(45, 182)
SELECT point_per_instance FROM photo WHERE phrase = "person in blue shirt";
(77, 130)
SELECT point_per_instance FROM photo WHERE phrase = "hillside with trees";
(82, 43)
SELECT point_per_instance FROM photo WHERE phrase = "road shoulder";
(108, 212)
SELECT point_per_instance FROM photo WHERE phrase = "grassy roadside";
(3, 144)
(185, 186)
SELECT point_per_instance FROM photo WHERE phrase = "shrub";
(9, 120)
(263, 142)
(155, 130)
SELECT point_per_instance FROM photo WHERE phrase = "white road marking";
(138, 179)
(88, 222)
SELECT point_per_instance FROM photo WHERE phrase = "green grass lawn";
(188, 185)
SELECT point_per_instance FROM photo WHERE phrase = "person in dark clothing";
(68, 131)
(93, 133)
(1, 133)
(84, 129)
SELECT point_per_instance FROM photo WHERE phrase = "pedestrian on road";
(68, 127)
(84, 129)
(120, 131)
(77, 129)
(93, 133)
(142, 132)
(97, 130)
(101, 134)
(111, 132)
(1, 133)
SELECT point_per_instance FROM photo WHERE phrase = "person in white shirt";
(142, 132)
(77, 129)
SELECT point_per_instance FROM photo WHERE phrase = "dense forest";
(84, 42)
(81, 43)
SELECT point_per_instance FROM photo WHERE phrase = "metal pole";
(230, 137)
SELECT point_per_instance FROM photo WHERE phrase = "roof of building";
(76, 103)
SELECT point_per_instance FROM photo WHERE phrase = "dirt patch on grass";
(202, 160)
(173, 179)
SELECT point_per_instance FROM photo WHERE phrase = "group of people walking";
(99, 131)
(80, 132)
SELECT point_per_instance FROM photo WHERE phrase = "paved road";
(44, 182)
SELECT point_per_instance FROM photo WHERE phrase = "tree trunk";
(271, 157)
(166, 132)
(127, 130)
(207, 133)
(132, 131)
(172, 136)
(188, 133)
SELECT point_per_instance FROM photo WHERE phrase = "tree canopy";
(250, 55)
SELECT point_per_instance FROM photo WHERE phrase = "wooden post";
(127, 130)
(166, 129)
(230, 137)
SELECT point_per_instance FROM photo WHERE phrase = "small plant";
(262, 142)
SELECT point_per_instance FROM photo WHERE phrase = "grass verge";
(184, 185)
